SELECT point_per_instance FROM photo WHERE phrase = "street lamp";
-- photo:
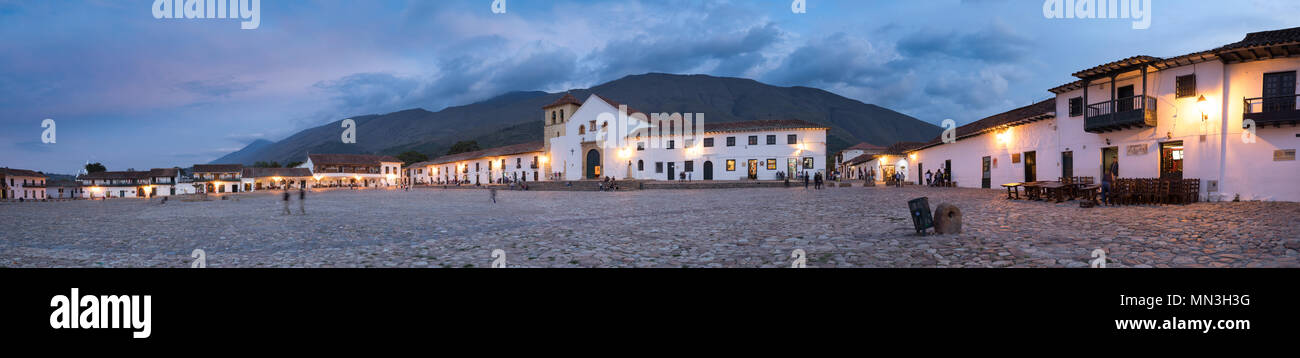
(1203, 104)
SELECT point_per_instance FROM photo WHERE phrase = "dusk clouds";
(123, 84)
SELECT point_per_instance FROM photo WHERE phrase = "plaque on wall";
(1015, 158)
(1282, 155)
(1137, 149)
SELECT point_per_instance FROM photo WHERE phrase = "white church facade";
(600, 138)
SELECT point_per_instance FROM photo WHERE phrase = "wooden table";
(1012, 190)
(1090, 193)
(1032, 190)
(1055, 189)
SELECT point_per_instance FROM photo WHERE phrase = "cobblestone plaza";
(746, 227)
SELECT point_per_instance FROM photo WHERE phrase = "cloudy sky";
(133, 91)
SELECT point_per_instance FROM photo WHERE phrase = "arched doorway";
(593, 164)
(708, 170)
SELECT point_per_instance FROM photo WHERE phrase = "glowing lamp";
(1204, 105)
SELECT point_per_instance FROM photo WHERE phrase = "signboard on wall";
(1015, 158)
(1282, 155)
(1137, 149)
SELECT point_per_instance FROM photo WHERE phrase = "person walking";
(929, 177)
(493, 192)
(302, 201)
(805, 180)
(285, 198)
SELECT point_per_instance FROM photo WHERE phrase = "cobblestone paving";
(757, 227)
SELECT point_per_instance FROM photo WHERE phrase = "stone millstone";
(947, 219)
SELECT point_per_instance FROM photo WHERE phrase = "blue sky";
(133, 91)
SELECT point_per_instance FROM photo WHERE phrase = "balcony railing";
(1122, 113)
(1274, 110)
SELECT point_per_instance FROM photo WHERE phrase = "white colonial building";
(132, 184)
(256, 179)
(857, 154)
(600, 138)
(1225, 116)
(353, 170)
(21, 184)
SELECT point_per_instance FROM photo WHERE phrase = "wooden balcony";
(1275, 111)
(1120, 114)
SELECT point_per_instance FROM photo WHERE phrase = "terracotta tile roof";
(759, 125)
(1124, 64)
(901, 148)
(615, 104)
(64, 183)
(116, 175)
(356, 159)
(563, 100)
(861, 159)
(20, 173)
(164, 172)
(1031, 113)
(490, 152)
(1265, 38)
(864, 146)
(276, 172)
(217, 168)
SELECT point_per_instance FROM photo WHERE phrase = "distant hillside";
(516, 117)
(247, 155)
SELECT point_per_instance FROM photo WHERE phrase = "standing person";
(805, 180)
(929, 177)
(285, 198)
(302, 201)
(493, 192)
(1109, 176)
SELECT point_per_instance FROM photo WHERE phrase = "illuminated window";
(771, 164)
(731, 165)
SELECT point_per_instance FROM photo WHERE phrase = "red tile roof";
(20, 173)
(115, 175)
(615, 104)
(353, 159)
(1266, 38)
(864, 146)
(563, 100)
(758, 125)
(1031, 113)
(217, 168)
(276, 172)
(490, 152)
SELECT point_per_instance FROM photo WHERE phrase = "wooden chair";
(1170, 193)
(1118, 192)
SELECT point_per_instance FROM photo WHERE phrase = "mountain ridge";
(516, 116)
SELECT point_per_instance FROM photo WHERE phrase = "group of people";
(817, 180)
(302, 202)
(608, 184)
(939, 178)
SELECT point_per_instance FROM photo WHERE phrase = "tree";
(95, 168)
(411, 157)
(463, 147)
(293, 164)
(262, 164)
